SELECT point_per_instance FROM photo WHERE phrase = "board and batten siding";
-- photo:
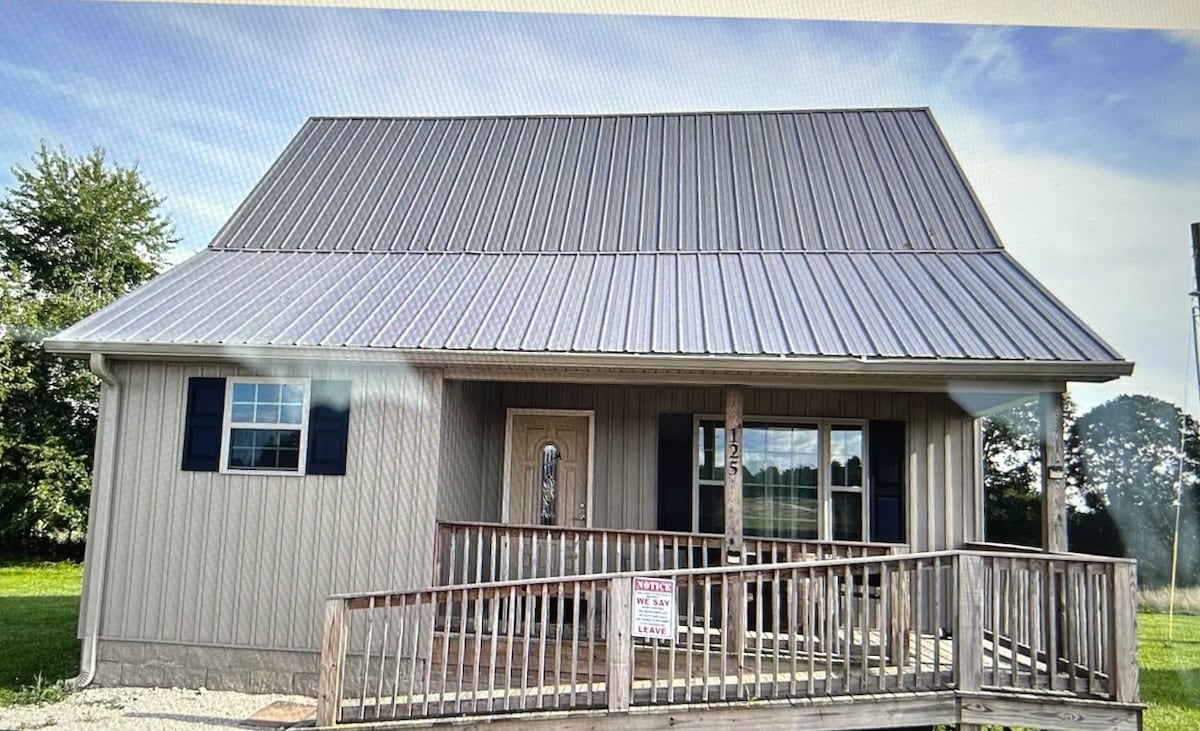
(943, 494)
(471, 451)
(204, 558)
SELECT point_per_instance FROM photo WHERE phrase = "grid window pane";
(711, 509)
(242, 412)
(264, 449)
(847, 516)
(243, 393)
(780, 480)
(712, 451)
(780, 512)
(267, 403)
(292, 395)
(780, 454)
(845, 459)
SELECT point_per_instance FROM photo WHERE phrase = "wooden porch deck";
(1020, 632)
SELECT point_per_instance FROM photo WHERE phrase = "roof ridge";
(616, 115)
(671, 252)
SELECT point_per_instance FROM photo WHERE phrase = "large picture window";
(800, 479)
(266, 424)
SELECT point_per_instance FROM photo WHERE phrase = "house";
(417, 334)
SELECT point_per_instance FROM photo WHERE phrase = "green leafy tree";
(75, 233)
(1130, 466)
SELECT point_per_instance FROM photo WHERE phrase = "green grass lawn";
(39, 606)
(1170, 674)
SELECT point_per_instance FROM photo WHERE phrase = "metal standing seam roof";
(804, 234)
(797, 181)
(959, 305)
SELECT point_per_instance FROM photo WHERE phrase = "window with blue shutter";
(675, 459)
(203, 424)
(328, 427)
(266, 425)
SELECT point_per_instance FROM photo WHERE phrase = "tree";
(1130, 466)
(75, 233)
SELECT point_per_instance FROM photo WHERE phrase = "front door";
(548, 469)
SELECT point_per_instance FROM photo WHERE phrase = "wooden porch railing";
(470, 553)
(950, 620)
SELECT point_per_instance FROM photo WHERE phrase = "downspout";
(104, 479)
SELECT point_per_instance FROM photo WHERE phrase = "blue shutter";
(886, 496)
(202, 424)
(328, 427)
(676, 468)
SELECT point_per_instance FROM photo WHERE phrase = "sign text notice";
(654, 608)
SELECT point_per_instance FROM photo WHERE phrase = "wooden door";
(548, 469)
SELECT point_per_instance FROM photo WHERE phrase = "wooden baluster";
(383, 647)
(812, 627)
(575, 624)
(402, 621)
(510, 635)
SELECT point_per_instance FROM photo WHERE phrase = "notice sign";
(654, 608)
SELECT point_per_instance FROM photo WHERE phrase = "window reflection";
(786, 483)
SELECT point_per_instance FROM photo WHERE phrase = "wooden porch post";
(1054, 496)
(333, 652)
(1123, 660)
(619, 678)
(733, 476)
(968, 628)
(734, 544)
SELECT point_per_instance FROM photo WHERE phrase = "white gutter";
(104, 475)
(1017, 370)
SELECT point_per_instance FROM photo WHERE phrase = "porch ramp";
(973, 627)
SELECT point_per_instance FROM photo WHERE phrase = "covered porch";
(867, 460)
(838, 580)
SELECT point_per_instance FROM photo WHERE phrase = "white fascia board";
(1002, 370)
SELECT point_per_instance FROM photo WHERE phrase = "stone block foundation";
(158, 664)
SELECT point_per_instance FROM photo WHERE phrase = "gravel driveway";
(144, 709)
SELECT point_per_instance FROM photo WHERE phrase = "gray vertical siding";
(943, 477)
(470, 454)
(211, 559)
(247, 560)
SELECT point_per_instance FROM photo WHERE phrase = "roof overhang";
(828, 372)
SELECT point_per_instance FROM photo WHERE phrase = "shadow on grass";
(1178, 687)
(38, 637)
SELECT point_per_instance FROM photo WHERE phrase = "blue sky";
(1084, 145)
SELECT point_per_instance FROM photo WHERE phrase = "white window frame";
(825, 487)
(228, 424)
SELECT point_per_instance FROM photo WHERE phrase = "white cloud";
(989, 51)
(1186, 37)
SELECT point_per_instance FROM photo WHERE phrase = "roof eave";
(1005, 370)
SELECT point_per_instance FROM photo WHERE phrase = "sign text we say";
(654, 608)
